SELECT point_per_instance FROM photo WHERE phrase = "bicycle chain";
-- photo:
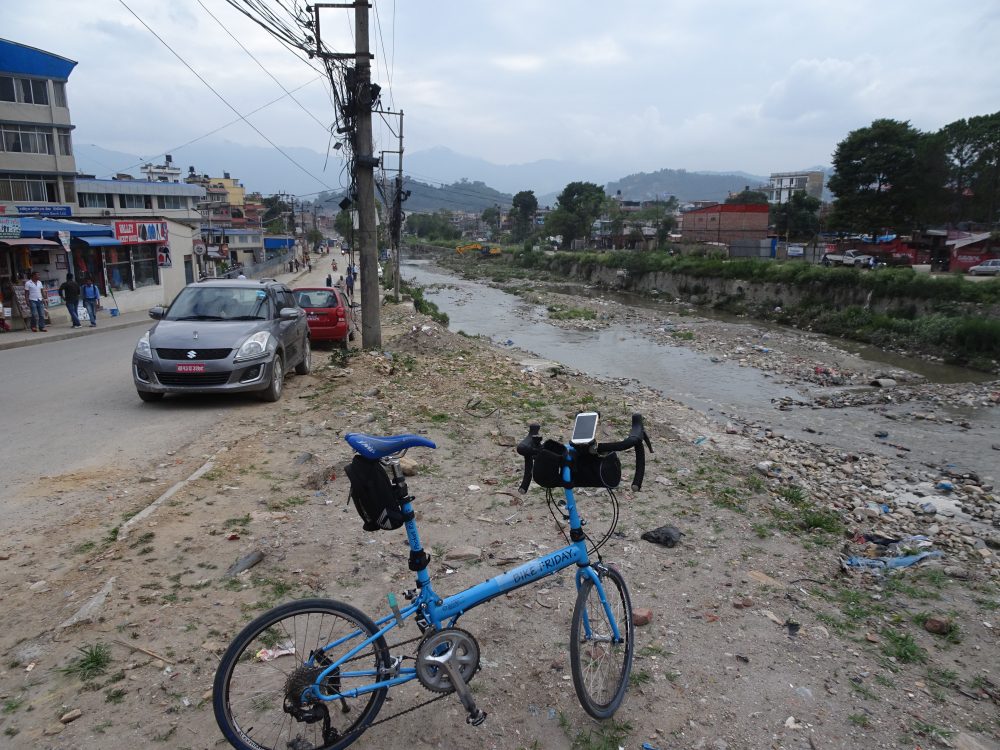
(411, 708)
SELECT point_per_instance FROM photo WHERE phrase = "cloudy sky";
(720, 85)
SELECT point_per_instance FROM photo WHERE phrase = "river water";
(721, 390)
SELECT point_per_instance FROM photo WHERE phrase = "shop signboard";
(139, 232)
(52, 298)
(796, 251)
(10, 227)
(44, 210)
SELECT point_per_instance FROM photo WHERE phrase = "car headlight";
(255, 346)
(142, 347)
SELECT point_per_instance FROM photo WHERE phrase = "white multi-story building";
(782, 186)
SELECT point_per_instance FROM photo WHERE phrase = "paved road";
(70, 405)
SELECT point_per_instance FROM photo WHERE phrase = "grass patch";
(640, 677)
(558, 312)
(92, 662)
(608, 735)
(115, 696)
(859, 720)
(902, 647)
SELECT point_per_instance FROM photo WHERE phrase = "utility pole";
(371, 326)
(396, 209)
(362, 96)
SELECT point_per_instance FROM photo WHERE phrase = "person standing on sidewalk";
(350, 284)
(91, 295)
(70, 292)
(36, 302)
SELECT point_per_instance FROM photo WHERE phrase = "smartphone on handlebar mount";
(585, 428)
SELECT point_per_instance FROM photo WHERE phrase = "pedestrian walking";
(70, 293)
(36, 302)
(91, 297)
(329, 280)
(350, 285)
(296, 264)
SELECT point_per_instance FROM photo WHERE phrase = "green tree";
(523, 209)
(431, 227)
(344, 224)
(276, 213)
(746, 195)
(578, 205)
(877, 177)
(797, 218)
(314, 237)
(985, 181)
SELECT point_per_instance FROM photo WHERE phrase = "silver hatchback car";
(986, 268)
(223, 336)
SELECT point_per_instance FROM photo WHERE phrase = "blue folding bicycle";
(314, 673)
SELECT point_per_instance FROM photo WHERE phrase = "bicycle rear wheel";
(261, 678)
(601, 663)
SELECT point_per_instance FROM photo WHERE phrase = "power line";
(213, 132)
(221, 97)
(385, 57)
(261, 66)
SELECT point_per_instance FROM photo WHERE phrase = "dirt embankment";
(758, 637)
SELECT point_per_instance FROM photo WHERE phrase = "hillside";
(687, 186)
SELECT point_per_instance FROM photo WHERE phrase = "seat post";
(419, 559)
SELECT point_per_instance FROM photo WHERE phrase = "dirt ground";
(759, 638)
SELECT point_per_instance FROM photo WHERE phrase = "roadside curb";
(134, 318)
(71, 334)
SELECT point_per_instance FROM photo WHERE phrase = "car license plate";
(312, 317)
(190, 367)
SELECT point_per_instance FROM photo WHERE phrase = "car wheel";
(273, 391)
(149, 396)
(303, 367)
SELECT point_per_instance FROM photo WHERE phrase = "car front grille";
(200, 354)
(193, 379)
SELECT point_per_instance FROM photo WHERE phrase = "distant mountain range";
(438, 178)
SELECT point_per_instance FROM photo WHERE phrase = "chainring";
(464, 652)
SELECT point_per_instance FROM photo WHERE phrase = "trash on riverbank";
(668, 536)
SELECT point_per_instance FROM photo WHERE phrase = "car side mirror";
(289, 313)
(157, 313)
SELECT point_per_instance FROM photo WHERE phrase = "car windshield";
(316, 298)
(218, 303)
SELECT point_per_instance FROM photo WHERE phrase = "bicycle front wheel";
(257, 695)
(601, 662)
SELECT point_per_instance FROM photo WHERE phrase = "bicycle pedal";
(477, 718)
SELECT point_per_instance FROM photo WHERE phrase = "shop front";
(44, 246)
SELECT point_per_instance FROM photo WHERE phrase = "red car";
(328, 314)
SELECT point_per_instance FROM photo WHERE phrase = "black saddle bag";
(375, 497)
(588, 469)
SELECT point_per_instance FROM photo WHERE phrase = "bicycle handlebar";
(532, 444)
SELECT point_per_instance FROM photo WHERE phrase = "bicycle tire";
(597, 656)
(249, 691)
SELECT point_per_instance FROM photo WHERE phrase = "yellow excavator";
(483, 250)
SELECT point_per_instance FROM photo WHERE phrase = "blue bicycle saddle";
(373, 446)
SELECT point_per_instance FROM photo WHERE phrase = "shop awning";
(27, 241)
(98, 241)
(215, 254)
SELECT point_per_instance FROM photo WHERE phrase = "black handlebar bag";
(587, 470)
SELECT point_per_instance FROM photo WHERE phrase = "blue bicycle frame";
(437, 611)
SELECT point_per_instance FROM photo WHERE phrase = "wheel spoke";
(601, 663)
(258, 690)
